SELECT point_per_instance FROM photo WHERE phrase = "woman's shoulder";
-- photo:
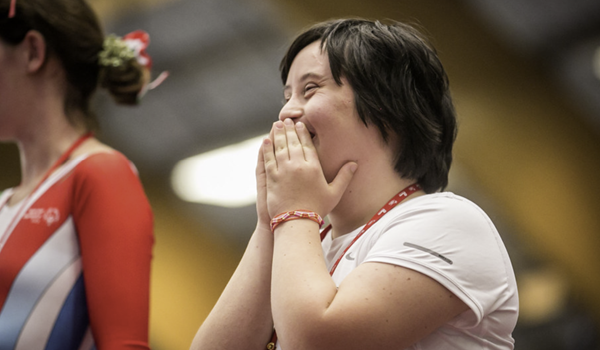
(436, 211)
(105, 164)
(106, 171)
(444, 197)
(102, 159)
(94, 159)
(442, 203)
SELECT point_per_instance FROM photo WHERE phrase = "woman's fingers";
(343, 178)
(308, 147)
(261, 176)
(293, 141)
(261, 189)
(268, 156)
(280, 142)
(289, 142)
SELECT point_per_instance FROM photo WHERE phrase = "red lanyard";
(58, 163)
(394, 201)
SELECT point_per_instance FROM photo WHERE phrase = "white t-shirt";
(451, 240)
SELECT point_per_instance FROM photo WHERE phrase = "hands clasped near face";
(290, 176)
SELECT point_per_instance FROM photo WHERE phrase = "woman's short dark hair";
(399, 86)
(73, 34)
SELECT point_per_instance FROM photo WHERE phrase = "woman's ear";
(34, 46)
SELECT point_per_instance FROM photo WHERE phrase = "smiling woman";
(365, 138)
(327, 110)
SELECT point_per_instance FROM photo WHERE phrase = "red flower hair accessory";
(117, 51)
(138, 41)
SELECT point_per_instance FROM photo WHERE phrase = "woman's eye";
(309, 88)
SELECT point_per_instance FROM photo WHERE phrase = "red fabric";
(115, 227)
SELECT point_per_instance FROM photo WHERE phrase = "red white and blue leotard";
(75, 260)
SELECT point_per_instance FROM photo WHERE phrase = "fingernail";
(299, 125)
(288, 121)
(278, 124)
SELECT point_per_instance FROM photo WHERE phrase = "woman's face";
(328, 111)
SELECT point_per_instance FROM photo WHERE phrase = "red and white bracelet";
(296, 214)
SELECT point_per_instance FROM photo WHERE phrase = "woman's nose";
(290, 110)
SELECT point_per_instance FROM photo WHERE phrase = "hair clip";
(138, 41)
(117, 51)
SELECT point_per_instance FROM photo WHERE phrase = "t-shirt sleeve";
(115, 227)
(454, 242)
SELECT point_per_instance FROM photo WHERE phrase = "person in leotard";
(76, 235)
(365, 138)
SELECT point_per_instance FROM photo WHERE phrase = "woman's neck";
(365, 196)
(40, 146)
(42, 130)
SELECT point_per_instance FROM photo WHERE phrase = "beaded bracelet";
(296, 214)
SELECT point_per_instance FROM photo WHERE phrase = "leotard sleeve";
(115, 227)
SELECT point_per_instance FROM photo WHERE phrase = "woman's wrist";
(295, 215)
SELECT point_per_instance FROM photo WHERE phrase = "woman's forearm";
(241, 318)
(302, 288)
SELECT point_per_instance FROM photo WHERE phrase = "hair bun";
(125, 67)
(124, 82)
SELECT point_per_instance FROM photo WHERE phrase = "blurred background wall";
(525, 75)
